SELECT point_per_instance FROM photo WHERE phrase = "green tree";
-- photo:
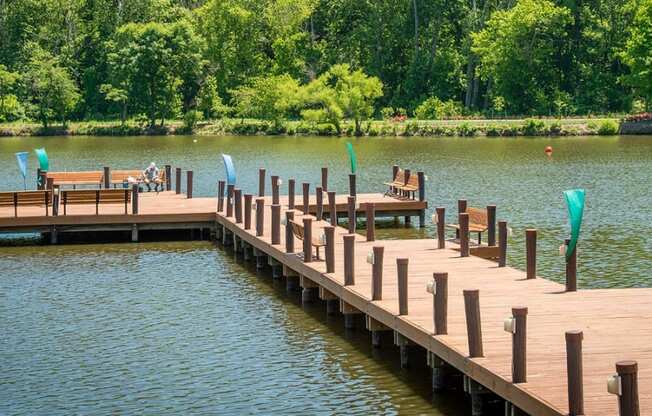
(209, 101)
(268, 98)
(51, 91)
(10, 108)
(638, 53)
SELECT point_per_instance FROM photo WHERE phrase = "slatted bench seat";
(97, 197)
(478, 222)
(93, 177)
(297, 230)
(25, 199)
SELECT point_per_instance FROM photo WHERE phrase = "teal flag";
(230, 169)
(354, 159)
(43, 159)
(575, 203)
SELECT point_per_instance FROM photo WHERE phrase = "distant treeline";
(322, 61)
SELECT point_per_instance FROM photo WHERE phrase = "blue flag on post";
(21, 158)
(575, 202)
(230, 170)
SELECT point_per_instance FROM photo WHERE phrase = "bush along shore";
(405, 128)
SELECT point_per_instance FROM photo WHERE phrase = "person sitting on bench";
(151, 174)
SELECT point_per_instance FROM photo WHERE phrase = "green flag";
(575, 203)
(354, 160)
(43, 159)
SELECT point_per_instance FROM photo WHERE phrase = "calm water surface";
(183, 328)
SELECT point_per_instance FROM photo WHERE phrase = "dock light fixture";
(371, 259)
(284, 221)
(425, 178)
(434, 219)
(279, 182)
(431, 287)
(510, 325)
(562, 250)
(322, 239)
(615, 385)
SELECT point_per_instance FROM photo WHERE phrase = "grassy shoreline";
(464, 128)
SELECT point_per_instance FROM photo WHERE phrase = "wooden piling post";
(261, 182)
(275, 190)
(461, 205)
(329, 231)
(407, 173)
(377, 273)
(229, 200)
(289, 234)
(237, 197)
(349, 259)
(260, 216)
(319, 197)
(177, 181)
(307, 239)
(291, 183)
(353, 188)
(247, 211)
(575, 372)
(189, 176)
(441, 227)
(491, 225)
(276, 224)
(531, 253)
(220, 195)
(519, 345)
(168, 177)
(370, 210)
(422, 197)
(464, 234)
(353, 222)
(402, 272)
(571, 269)
(332, 208)
(40, 183)
(324, 179)
(107, 177)
(473, 323)
(306, 198)
(134, 199)
(440, 306)
(502, 243)
(628, 399)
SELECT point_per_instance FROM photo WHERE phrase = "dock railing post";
(177, 181)
(307, 240)
(502, 243)
(408, 173)
(349, 259)
(353, 222)
(352, 184)
(56, 195)
(247, 211)
(370, 210)
(574, 369)
(464, 234)
(306, 198)
(531, 253)
(276, 224)
(473, 323)
(189, 176)
(289, 233)
(168, 177)
(291, 183)
(377, 272)
(107, 177)
(324, 179)
(261, 182)
(134, 199)
(275, 190)
(319, 198)
(491, 225)
(440, 302)
(329, 232)
(441, 227)
(229, 200)
(519, 344)
(461, 207)
(237, 196)
(39, 180)
(571, 269)
(332, 208)
(260, 216)
(402, 272)
(628, 388)
(422, 197)
(220, 195)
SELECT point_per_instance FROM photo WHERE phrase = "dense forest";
(322, 60)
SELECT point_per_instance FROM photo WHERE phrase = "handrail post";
(531, 253)
(352, 214)
(473, 323)
(440, 303)
(134, 199)
(275, 190)
(168, 177)
(306, 198)
(352, 184)
(324, 179)
(502, 243)
(276, 224)
(349, 259)
(260, 216)
(461, 205)
(229, 200)
(291, 183)
(247, 211)
(261, 182)
(377, 273)
(422, 197)
(329, 231)
(220, 195)
(319, 199)
(441, 227)
(571, 269)
(491, 225)
(177, 181)
(237, 197)
(464, 234)
(402, 271)
(332, 208)
(307, 240)
(107, 177)
(519, 345)
(289, 234)
(628, 397)
(575, 372)
(189, 176)
(370, 210)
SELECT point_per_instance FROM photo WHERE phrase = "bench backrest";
(24, 198)
(297, 230)
(477, 216)
(120, 176)
(413, 180)
(92, 196)
(87, 177)
(400, 176)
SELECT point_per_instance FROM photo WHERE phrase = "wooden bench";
(25, 199)
(119, 177)
(97, 197)
(297, 229)
(478, 222)
(95, 178)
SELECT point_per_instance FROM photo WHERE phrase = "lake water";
(184, 328)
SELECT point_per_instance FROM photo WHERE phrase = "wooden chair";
(97, 197)
(297, 230)
(399, 180)
(26, 198)
(478, 222)
(411, 187)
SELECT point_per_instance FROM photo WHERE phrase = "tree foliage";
(638, 53)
